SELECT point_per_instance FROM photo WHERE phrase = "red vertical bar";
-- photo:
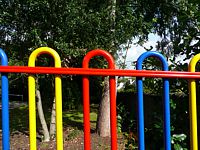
(86, 112)
(86, 101)
(113, 114)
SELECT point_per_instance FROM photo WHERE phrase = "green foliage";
(178, 21)
(66, 25)
(130, 143)
(72, 28)
(178, 141)
(128, 84)
(71, 93)
(179, 128)
(119, 123)
(73, 134)
(127, 125)
(154, 130)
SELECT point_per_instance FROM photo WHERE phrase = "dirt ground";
(73, 138)
(20, 141)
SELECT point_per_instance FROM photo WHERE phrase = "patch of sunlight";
(78, 117)
(93, 116)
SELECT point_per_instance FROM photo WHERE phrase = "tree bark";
(41, 116)
(53, 121)
(103, 120)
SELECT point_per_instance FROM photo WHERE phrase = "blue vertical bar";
(167, 134)
(5, 104)
(140, 104)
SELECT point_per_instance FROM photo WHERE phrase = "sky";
(136, 50)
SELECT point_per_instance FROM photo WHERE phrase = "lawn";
(72, 129)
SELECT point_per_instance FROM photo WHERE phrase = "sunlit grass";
(76, 118)
(19, 118)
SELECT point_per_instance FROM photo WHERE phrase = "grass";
(19, 119)
(73, 134)
(74, 118)
(44, 145)
(72, 124)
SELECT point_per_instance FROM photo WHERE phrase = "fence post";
(58, 98)
(5, 104)
(193, 105)
(167, 135)
(86, 99)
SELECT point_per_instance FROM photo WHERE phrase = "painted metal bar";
(193, 105)
(100, 72)
(86, 100)
(5, 104)
(167, 135)
(32, 102)
(140, 107)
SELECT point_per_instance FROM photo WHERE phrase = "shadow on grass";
(18, 119)
(74, 118)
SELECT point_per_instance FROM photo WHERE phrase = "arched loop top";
(193, 63)
(4, 58)
(44, 50)
(152, 54)
(99, 52)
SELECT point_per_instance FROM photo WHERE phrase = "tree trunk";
(42, 118)
(53, 121)
(103, 120)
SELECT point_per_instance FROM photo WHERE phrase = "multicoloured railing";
(85, 71)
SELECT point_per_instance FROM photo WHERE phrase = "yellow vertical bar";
(58, 99)
(32, 112)
(192, 105)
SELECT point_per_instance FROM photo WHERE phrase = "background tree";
(177, 23)
(73, 28)
(70, 27)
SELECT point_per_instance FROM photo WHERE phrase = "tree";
(177, 23)
(70, 27)
(75, 27)
(103, 120)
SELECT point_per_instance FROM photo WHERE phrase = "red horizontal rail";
(100, 72)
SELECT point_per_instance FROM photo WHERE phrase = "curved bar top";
(167, 135)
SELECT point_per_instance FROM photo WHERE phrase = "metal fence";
(85, 72)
